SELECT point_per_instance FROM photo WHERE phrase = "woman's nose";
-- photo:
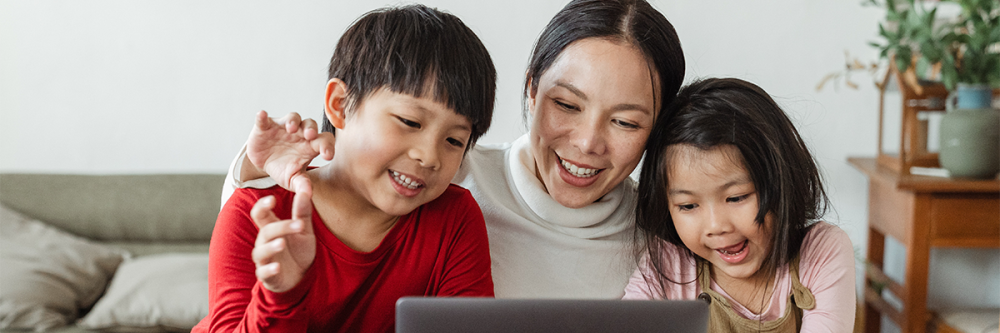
(590, 137)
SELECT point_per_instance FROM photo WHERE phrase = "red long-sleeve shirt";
(439, 249)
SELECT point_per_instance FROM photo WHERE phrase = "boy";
(410, 89)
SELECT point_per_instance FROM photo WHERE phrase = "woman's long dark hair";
(715, 112)
(635, 22)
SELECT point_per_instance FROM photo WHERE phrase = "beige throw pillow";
(48, 275)
(166, 292)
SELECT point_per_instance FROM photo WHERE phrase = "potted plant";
(963, 54)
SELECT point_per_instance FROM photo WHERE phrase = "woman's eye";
(564, 105)
(408, 122)
(686, 207)
(456, 143)
(625, 124)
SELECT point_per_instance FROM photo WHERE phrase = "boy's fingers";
(302, 203)
(274, 230)
(263, 254)
(261, 213)
(266, 272)
(324, 144)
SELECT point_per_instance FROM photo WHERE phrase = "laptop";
(458, 314)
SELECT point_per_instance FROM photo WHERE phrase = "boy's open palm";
(284, 249)
(284, 148)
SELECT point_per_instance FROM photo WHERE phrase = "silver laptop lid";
(446, 315)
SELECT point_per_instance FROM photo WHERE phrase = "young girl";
(729, 199)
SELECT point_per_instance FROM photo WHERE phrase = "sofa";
(105, 253)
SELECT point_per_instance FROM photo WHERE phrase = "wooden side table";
(920, 212)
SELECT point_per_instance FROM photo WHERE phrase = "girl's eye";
(408, 122)
(564, 105)
(456, 143)
(738, 198)
(625, 124)
(686, 207)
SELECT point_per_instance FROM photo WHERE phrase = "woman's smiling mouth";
(578, 171)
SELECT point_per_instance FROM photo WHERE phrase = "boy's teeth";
(578, 171)
(404, 180)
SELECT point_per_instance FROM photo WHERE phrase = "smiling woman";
(557, 201)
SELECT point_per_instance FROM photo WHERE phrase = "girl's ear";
(336, 102)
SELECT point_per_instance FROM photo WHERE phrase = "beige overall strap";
(804, 298)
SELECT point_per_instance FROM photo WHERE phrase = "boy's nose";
(426, 155)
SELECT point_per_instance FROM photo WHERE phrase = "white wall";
(101, 87)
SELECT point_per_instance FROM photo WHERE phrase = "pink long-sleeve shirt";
(826, 268)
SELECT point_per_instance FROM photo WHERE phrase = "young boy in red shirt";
(410, 90)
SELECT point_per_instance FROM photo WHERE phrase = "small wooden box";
(916, 97)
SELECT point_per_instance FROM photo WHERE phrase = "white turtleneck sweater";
(539, 248)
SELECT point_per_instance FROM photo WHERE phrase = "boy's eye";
(408, 122)
(625, 124)
(456, 143)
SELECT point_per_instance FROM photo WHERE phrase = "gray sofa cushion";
(161, 208)
(48, 275)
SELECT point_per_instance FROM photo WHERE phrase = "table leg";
(917, 268)
(875, 257)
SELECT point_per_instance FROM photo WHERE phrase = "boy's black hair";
(406, 48)
(715, 112)
(635, 22)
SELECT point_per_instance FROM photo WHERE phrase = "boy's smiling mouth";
(405, 181)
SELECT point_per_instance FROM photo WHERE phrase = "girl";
(729, 199)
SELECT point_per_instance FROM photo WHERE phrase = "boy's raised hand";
(284, 148)
(284, 249)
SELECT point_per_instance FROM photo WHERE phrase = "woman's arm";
(276, 152)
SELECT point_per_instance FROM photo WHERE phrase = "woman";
(557, 201)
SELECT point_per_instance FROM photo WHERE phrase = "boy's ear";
(336, 102)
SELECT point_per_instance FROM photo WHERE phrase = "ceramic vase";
(970, 134)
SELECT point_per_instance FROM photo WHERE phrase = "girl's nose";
(717, 223)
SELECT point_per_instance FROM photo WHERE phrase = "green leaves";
(968, 49)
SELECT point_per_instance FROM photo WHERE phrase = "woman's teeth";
(405, 181)
(578, 171)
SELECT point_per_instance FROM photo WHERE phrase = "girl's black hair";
(631, 21)
(714, 112)
(405, 48)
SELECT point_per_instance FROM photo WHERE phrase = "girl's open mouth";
(734, 254)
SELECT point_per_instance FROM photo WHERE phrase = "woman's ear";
(531, 95)
(336, 102)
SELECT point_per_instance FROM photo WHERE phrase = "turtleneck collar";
(602, 218)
